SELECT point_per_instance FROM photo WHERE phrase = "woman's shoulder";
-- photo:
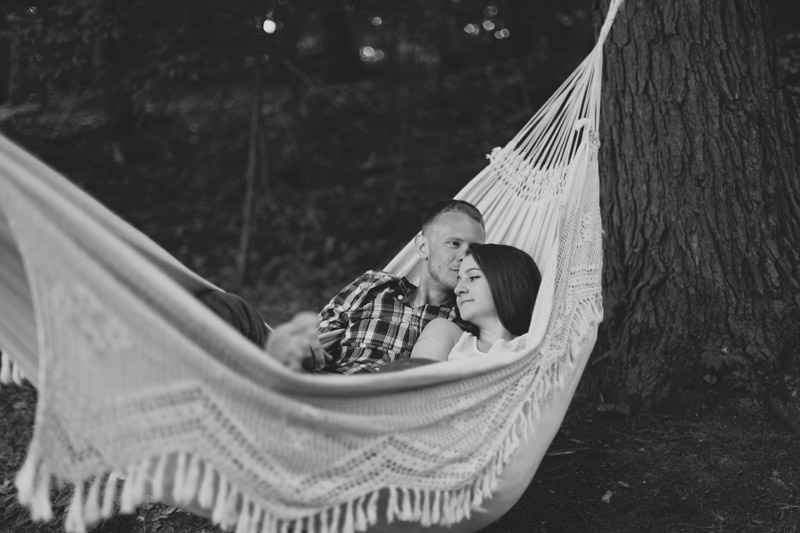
(444, 326)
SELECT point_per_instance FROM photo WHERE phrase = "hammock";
(135, 376)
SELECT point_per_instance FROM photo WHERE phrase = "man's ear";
(421, 242)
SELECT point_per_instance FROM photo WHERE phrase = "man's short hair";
(451, 206)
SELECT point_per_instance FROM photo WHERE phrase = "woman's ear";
(421, 242)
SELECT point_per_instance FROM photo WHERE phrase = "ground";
(725, 467)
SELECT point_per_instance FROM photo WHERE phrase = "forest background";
(281, 148)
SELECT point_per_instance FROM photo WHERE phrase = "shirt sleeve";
(336, 314)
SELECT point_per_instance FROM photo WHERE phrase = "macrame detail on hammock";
(142, 390)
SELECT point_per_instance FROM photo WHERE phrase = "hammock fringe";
(10, 372)
(194, 478)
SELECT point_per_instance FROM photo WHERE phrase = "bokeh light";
(376, 21)
(488, 25)
(472, 29)
(370, 54)
(269, 26)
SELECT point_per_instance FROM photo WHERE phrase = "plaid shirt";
(380, 325)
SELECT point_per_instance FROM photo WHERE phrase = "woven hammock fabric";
(137, 377)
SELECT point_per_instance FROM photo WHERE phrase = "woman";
(495, 294)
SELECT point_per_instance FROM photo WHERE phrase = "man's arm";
(334, 319)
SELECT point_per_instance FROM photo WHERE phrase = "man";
(378, 317)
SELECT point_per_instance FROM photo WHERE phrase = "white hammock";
(135, 376)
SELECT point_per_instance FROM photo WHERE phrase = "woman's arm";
(437, 339)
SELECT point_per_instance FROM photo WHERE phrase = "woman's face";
(473, 296)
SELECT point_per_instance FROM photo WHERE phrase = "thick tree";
(700, 194)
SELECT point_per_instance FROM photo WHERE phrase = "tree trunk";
(14, 85)
(248, 205)
(700, 195)
(342, 61)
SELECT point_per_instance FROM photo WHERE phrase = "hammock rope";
(137, 377)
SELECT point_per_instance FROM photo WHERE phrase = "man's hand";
(292, 341)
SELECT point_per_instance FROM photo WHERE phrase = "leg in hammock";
(238, 313)
(292, 343)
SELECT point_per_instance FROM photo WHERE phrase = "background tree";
(700, 201)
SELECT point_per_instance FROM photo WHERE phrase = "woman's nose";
(459, 289)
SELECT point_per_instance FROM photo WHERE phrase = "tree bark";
(340, 50)
(700, 195)
(248, 205)
(14, 87)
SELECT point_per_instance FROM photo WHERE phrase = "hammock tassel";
(219, 505)
(91, 510)
(140, 480)
(243, 523)
(323, 522)
(425, 516)
(206, 495)
(73, 522)
(41, 496)
(372, 507)
(349, 519)
(406, 514)
(190, 485)
(158, 477)
(127, 500)
(257, 520)
(447, 509)
(268, 524)
(180, 477)
(230, 516)
(436, 510)
(477, 497)
(391, 509)
(335, 516)
(417, 511)
(33, 488)
(10, 372)
(25, 479)
(360, 515)
(109, 495)
(17, 376)
(464, 510)
(5, 369)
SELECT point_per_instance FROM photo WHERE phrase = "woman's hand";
(293, 341)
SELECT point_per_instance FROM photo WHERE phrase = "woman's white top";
(467, 346)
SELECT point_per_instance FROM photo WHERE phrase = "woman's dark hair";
(514, 280)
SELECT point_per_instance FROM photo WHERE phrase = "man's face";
(445, 244)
